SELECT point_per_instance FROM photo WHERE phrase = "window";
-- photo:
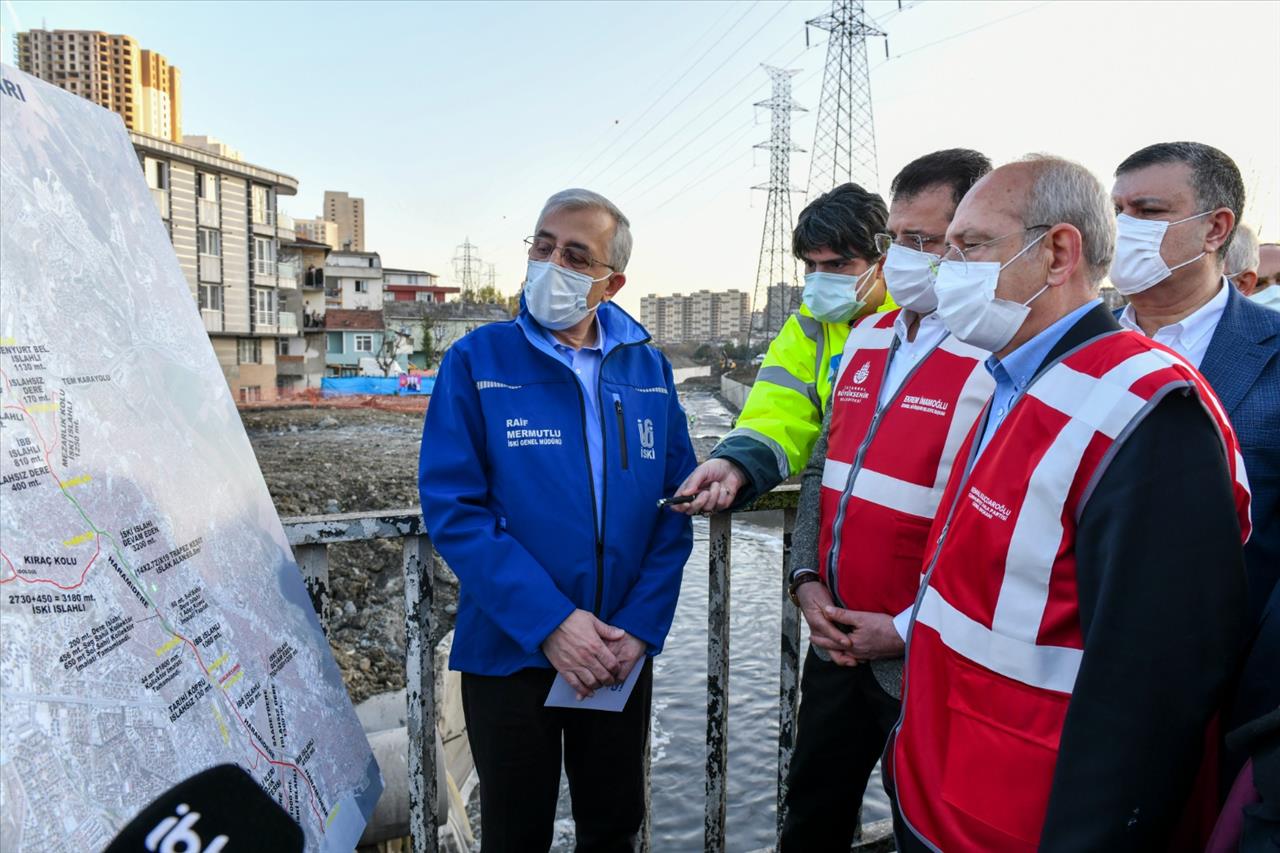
(362, 286)
(207, 186)
(282, 346)
(264, 306)
(261, 204)
(364, 343)
(264, 255)
(209, 242)
(388, 296)
(248, 351)
(157, 172)
(333, 342)
(210, 297)
(250, 393)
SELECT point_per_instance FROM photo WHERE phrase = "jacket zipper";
(604, 454)
(622, 429)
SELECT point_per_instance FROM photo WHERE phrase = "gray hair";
(1066, 192)
(580, 199)
(1242, 253)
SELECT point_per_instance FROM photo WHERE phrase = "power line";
(693, 91)
(686, 73)
(965, 32)
(713, 123)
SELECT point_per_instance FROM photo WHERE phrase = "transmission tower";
(776, 272)
(491, 277)
(466, 269)
(844, 139)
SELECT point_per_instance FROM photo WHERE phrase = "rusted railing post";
(420, 687)
(719, 547)
(313, 562)
(788, 672)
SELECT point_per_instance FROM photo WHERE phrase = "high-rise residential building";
(221, 216)
(348, 214)
(706, 316)
(318, 231)
(112, 71)
(783, 300)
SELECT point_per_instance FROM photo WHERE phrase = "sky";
(457, 120)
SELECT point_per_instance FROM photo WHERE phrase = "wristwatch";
(799, 578)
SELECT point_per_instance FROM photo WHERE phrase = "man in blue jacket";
(548, 442)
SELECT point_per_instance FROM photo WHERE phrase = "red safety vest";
(996, 642)
(886, 467)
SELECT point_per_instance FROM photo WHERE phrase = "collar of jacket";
(619, 328)
(1242, 345)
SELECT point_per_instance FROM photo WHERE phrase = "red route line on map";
(195, 651)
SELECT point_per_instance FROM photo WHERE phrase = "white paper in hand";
(611, 698)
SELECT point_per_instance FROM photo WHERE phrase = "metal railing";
(311, 537)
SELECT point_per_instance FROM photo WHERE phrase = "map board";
(153, 622)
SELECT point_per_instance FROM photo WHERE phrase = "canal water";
(680, 686)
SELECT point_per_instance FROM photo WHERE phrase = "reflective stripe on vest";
(785, 406)
(886, 466)
(996, 643)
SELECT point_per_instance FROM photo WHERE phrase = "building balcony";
(288, 274)
(264, 221)
(264, 273)
(312, 320)
(267, 326)
(161, 198)
(210, 268)
(212, 319)
(208, 214)
(290, 365)
(313, 279)
(284, 227)
(288, 323)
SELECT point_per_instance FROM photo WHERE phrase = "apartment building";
(300, 360)
(111, 70)
(348, 214)
(414, 286)
(222, 218)
(318, 231)
(706, 316)
(353, 280)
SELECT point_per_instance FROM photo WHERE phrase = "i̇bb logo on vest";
(854, 392)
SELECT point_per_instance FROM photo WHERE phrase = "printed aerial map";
(153, 622)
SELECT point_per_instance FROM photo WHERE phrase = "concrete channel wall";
(735, 393)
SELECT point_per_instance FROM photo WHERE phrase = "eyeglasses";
(955, 253)
(905, 240)
(543, 248)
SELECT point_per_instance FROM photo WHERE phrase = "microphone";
(219, 809)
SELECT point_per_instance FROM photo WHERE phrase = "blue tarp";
(377, 385)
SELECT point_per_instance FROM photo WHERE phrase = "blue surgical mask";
(835, 298)
(557, 297)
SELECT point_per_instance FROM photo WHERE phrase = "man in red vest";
(905, 396)
(1080, 618)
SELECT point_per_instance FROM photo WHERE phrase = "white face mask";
(968, 305)
(1138, 265)
(557, 297)
(834, 298)
(1268, 297)
(909, 274)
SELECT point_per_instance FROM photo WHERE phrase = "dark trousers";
(844, 720)
(517, 744)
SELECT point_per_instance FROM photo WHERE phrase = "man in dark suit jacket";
(1234, 342)
(1236, 345)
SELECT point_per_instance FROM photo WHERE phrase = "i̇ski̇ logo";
(863, 372)
(646, 438)
(173, 834)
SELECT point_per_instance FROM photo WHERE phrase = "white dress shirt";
(1190, 336)
(929, 333)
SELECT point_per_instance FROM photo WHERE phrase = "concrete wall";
(734, 392)
(683, 373)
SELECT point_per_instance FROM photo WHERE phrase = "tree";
(386, 355)
(490, 294)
